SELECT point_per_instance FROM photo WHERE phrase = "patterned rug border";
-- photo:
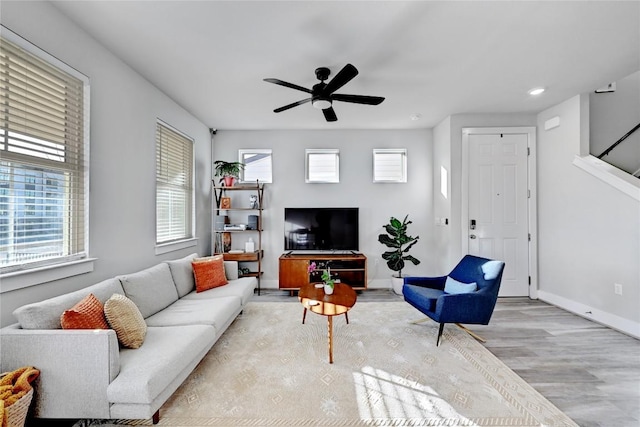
(498, 374)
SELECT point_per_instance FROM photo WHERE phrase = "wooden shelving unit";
(350, 269)
(238, 213)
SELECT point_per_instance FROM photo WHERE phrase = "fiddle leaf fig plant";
(400, 243)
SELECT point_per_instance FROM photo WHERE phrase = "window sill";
(37, 276)
(175, 246)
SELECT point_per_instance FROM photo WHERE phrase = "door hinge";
(529, 236)
(528, 151)
(529, 279)
(528, 194)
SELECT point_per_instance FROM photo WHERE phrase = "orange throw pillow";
(209, 273)
(86, 314)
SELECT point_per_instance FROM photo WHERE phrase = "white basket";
(17, 413)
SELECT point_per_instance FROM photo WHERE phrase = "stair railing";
(615, 144)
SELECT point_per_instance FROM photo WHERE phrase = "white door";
(498, 225)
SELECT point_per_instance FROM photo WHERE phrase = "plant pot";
(328, 289)
(228, 181)
(397, 283)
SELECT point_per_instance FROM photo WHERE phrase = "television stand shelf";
(350, 269)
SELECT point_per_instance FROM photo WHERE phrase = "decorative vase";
(228, 181)
(328, 289)
(397, 283)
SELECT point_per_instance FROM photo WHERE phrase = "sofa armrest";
(76, 366)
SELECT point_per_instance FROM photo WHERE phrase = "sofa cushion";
(182, 274)
(166, 352)
(125, 318)
(151, 289)
(231, 270)
(46, 314)
(217, 312)
(209, 273)
(242, 288)
(421, 296)
(86, 314)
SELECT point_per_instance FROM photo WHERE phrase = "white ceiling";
(432, 58)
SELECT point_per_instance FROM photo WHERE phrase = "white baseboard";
(618, 323)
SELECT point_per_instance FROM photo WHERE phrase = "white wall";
(589, 232)
(377, 202)
(124, 109)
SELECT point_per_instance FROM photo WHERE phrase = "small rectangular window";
(389, 165)
(257, 165)
(322, 165)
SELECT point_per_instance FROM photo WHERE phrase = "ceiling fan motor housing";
(319, 99)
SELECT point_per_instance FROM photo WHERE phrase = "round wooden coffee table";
(341, 301)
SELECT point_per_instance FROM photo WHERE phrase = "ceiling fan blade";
(295, 104)
(343, 77)
(358, 99)
(287, 84)
(330, 115)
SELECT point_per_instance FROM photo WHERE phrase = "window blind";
(43, 165)
(389, 165)
(174, 185)
(323, 165)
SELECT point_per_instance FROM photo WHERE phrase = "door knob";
(472, 236)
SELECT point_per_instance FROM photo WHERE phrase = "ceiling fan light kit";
(322, 94)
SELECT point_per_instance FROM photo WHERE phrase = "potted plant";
(327, 281)
(228, 171)
(400, 243)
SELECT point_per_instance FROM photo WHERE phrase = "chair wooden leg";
(415, 322)
(156, 417)
(440, 330)
(473, 334)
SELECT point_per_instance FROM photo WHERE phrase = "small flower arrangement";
(326, 274)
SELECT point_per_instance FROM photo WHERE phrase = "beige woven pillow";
(125, 318)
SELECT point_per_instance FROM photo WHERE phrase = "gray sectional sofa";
(86, 374)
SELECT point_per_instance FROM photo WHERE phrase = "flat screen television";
(321, 229)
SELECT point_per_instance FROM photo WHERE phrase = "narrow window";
(44, 170)
(174, 185)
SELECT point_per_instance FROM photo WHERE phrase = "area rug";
(269, 369)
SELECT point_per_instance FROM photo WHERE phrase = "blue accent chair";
(427, 294)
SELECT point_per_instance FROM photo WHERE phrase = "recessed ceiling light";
(536, 91)
(415, 116)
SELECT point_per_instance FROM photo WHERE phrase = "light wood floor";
(590, 372)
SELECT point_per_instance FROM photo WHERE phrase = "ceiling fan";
(322, 94)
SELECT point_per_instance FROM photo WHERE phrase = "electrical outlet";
(617, 288)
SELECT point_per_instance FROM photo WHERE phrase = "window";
(257, 165)
(44, 168)
(174, 185)
(389, 165)
(322, 165)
